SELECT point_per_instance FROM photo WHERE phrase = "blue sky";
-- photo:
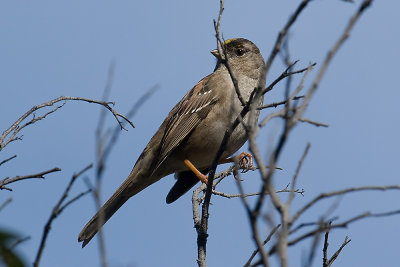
(54, 48)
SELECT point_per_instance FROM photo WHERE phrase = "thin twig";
(273, 231)
(296, 174)
(285, 74)
(313, 246)
(58, 208)
(253, 223)
(336, 254)
(131, 113)
(315, 123)
(41, 175)
(10, 158)
(223, 54)
(283, 33)
(100, 161)
(344, 224)
(266, 188)
(5, 203)
(324, 227)
(307, 224)
(104, 145)
(196, 200)
(19, 241)
(325, 259)
(285, 190)
(321, 196)
(331, 53)
(281, 246)
(276, 104)
(16, 127)
(77, 197)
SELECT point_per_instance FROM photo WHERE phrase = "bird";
(190, 136)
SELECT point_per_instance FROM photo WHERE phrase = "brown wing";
(185, 116)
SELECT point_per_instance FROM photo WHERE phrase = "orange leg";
(203, 178)
(245, 161)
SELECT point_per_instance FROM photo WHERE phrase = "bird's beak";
(216, 54)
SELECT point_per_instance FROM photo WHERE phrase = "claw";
(245, 161)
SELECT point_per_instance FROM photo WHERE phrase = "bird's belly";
(201, 150)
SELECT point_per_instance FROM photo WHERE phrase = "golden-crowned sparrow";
(189, 138)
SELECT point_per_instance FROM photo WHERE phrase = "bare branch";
(285, 190)
(224, 56)
(314, 244)
(131, 113)
(35, 119)
(196, 200)
(276, 104)
(58, 208)
(267, 186)
(202, 228)
(8, 159)
(7, 180)
(325, 248)
(290, 120)
(292, 115)
(365, 4)
(344, 224)
(77, 197)
(273, 231)
(16, 127)
(334, 256)
(283, 33)
(253, 223)
(100, 161)
(19, 241)
(315, 123)
(288, 73)
(323, 227)
(104, 145)
(266, 176)
(338, 193)
(106, 93)
(284, 113)
(294, 180)
(5, 203)
(328, 262)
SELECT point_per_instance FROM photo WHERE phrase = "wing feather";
(185, 117)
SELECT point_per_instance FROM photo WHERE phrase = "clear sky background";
(54, 48)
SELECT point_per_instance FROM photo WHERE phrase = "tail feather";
(185, 181)
(102, 216)
(131, 186)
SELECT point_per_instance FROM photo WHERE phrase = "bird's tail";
(102, 216)
(130, 187)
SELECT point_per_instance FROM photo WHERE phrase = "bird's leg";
(202, 177)
(245, 161)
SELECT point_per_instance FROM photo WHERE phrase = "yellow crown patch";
(229, 41)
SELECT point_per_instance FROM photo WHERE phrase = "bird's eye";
(240, 52)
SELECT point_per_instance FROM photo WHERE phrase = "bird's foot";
(245, 161)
